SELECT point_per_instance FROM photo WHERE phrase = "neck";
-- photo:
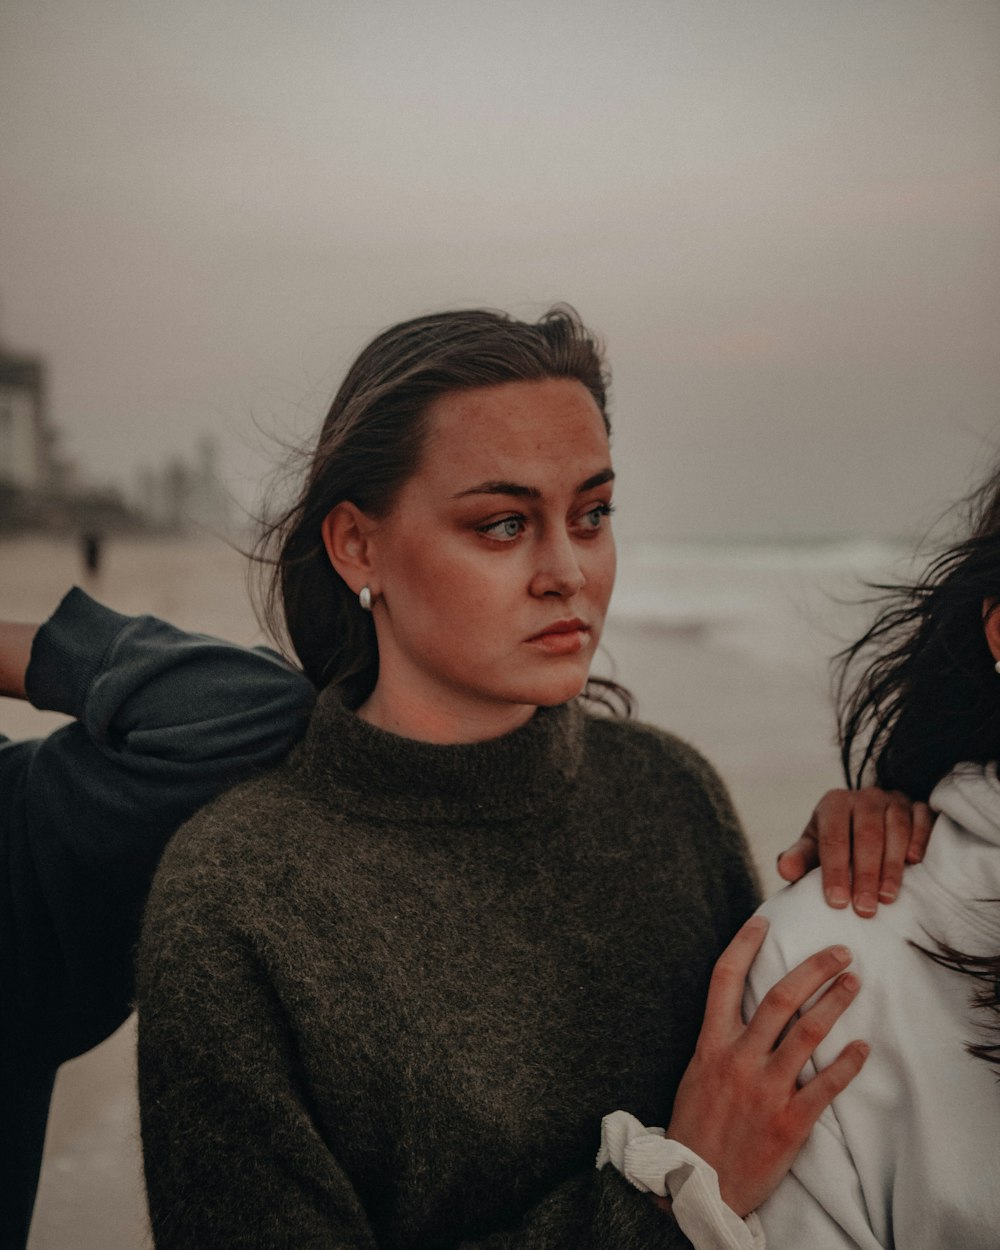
(445, 721)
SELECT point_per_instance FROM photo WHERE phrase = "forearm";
(15, 653)
(157, 700)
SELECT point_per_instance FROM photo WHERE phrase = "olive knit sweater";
(388, 990)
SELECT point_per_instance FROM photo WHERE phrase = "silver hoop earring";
(365, 598)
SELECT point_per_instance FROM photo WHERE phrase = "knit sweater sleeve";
(235, 1154)
(593, 1211)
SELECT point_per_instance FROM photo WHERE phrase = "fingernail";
(887, 894)
(837, 896)
(864, 1048)
(757, 922)
(850, 982)
(914, 857)
(866, 905)
(842, 953)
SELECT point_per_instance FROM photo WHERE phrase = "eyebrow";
(532, 492)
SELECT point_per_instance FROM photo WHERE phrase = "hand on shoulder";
(861, 839)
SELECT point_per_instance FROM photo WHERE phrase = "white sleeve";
(820, 1202)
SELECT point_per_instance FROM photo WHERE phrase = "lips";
(573, 626)
(562, 637)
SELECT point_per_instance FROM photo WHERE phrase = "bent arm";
(165, 721)
(152, 697)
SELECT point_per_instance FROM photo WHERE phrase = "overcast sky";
(782, 215)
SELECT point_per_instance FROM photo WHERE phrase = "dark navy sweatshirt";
(164, 721)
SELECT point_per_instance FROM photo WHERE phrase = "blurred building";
(38, 488)
(27, 462)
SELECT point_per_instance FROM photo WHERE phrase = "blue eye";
(595, 517)
(505, 530)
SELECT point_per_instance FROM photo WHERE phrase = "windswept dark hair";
(370, 444)
(918, 693)
(985, 972)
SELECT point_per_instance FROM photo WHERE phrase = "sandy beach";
(766, 726)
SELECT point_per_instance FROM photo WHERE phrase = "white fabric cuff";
(654, 1163)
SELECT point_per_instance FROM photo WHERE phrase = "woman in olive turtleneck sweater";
(388, 990)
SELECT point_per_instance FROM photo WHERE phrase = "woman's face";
(493, 571)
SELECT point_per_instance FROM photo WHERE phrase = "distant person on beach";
(908, 1154)
(388, 990)
(91, 547)
(165, 720)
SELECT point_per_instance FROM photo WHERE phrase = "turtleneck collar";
(501, 779)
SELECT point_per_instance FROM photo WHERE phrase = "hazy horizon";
(782, 217)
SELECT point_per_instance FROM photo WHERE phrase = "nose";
(559, 572)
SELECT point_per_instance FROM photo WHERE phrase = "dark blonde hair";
(371, 443)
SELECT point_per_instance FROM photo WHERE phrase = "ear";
(991, 625)
(346, 536)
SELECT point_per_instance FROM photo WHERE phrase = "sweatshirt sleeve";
(233, 1150)
(152, 696)
(164, 721)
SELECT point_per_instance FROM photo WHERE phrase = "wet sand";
(767, 729)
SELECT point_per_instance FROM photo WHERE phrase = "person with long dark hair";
(388, 990)
(907, 1156)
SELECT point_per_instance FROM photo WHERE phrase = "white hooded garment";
(909, 1155)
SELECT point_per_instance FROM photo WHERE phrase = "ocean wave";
(788, 604)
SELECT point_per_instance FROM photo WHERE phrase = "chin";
(552, 693)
